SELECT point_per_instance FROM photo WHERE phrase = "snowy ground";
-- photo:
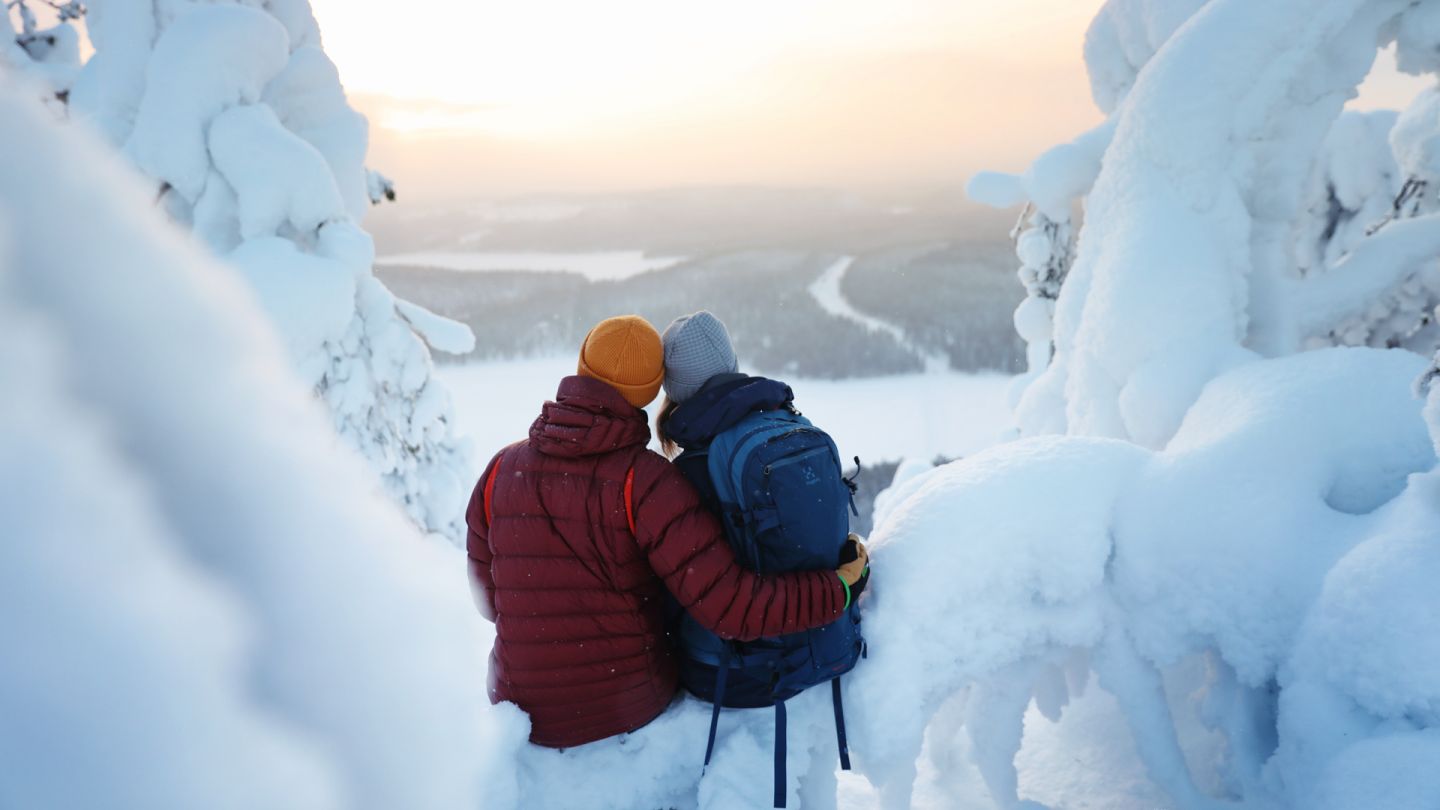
(610, 265)
(876, 418)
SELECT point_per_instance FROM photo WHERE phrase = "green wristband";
(846, 585)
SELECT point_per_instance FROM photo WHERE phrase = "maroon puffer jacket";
(578, 597)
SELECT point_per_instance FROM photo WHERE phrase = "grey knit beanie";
(697, 347)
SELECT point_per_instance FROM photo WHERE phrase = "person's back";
(777, 481)
(576, 535)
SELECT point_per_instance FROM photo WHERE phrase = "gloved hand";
(854, 568)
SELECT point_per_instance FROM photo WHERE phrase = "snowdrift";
(206, 602)
(1267, 538)
(1266, 553)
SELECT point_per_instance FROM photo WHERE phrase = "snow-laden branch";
(443, 334)
(1059, 176)
(182, 95)
(1378, 264)
(1044, 236)
(277, 176)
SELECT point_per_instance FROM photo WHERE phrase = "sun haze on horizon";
(489, 99)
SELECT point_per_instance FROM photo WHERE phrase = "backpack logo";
(811, 479)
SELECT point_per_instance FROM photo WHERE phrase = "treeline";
(956, 299)
(762, 295)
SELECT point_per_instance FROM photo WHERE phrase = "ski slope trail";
(827, 293)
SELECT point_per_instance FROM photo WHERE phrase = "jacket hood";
(587, 418)
(722, 403)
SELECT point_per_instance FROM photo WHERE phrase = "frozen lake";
(609, 265)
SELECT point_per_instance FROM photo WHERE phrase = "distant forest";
(953, 298)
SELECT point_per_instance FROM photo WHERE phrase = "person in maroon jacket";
(577, 533)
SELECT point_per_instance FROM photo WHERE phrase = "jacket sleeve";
(686, 547)
(477, 545)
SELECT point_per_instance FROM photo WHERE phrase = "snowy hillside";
(1189, 559)
(892, 311)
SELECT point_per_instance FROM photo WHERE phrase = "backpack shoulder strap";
(490, 488)
(731, 445)
(630, 498)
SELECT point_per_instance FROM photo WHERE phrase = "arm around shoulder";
(686, 547)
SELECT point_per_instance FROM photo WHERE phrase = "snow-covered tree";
(1044, 236)
(239, 118)
(49, 56)
(1238, 534)
(1286, 218)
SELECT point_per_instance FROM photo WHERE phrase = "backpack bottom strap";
(840, 738)
(780, 753)
(720, 675)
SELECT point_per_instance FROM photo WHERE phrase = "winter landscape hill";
(1190, 562)
(530, 276)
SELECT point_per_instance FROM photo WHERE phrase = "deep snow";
(207, 600)
(1222, 588)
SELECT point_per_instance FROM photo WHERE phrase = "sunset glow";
(570, 94)
(544, 67)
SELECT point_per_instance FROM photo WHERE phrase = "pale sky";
(493, 98)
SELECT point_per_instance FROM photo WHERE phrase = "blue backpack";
(783, 500)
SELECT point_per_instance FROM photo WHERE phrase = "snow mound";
(1130, 569)
(1361, 705)
(272, 633)
(174, 698)
(1298, 450)
(1394, 771)
(1015, 583)
(1369, 635)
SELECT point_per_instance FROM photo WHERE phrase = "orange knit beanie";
(625, 352)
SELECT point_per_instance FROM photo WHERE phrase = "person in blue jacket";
(706, 394)
(782, 516)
